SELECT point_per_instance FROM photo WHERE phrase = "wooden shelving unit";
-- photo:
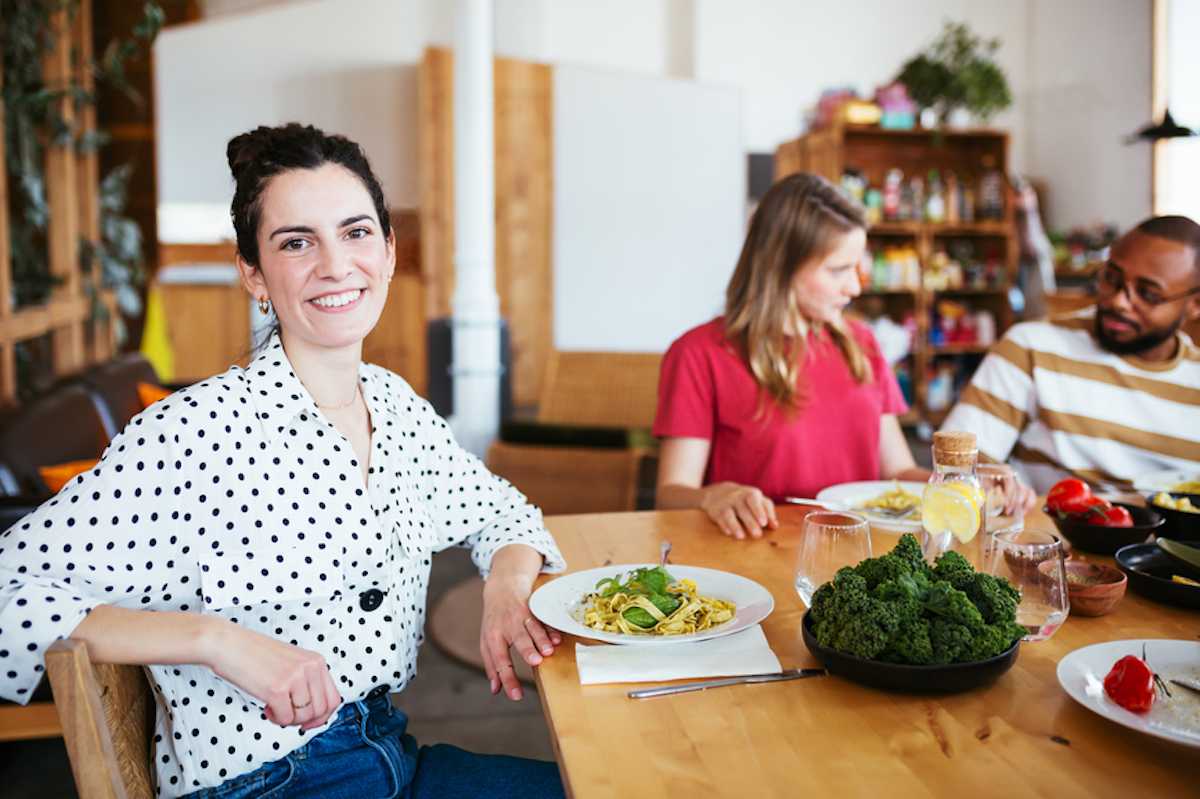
(872, 151)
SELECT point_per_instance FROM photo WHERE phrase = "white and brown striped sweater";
(1050, 397)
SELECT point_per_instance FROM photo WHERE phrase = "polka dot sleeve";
(472, 507)
(106, 538)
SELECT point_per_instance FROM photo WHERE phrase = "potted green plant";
(958, 72)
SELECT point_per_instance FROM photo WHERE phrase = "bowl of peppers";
(1094, 524)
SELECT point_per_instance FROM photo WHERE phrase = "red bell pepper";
(1130, 684)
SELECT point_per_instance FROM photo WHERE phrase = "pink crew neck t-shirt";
(706, 390)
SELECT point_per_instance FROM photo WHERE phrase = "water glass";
(999, 482)
(828, 542)
(1033, 561)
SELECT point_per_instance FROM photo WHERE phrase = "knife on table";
(670, 690)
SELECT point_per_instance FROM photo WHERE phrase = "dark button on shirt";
(369, 600)
(378, 691)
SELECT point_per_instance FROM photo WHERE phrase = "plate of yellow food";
(649, 604)
(888, 504)
(1180, 481)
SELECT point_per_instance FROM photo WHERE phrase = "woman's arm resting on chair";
(293, 683)
(738, 510)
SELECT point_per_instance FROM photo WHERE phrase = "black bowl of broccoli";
(897, 623)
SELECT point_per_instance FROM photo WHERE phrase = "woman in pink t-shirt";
(781, 396)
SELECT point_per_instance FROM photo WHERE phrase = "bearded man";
(1109, 393)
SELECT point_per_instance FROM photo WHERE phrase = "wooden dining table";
(1022, 735)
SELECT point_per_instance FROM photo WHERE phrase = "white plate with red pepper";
(1130, 682)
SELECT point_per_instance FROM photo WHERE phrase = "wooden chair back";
(570, 479)
(585, 389)
(107, 715)
(600, 389)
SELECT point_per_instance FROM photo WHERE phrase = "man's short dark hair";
(1178, 229)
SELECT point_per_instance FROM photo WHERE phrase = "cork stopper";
(954, 448)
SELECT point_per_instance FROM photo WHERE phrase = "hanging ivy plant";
(32, 122)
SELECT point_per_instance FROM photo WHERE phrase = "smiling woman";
(261, 540)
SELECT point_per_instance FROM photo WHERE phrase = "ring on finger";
(302, 705)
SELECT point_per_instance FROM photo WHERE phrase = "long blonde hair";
(795, 223)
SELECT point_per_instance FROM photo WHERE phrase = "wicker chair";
(107, 715)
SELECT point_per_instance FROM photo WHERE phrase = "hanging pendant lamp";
(1167, 129)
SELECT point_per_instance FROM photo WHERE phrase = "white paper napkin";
(745, 652)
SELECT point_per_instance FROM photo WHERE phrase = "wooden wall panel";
(208, 328)
(8, 363)
(524, 153)
(435, 143)
(524, 218)
(62, 195)
(221, 252)
(398, 341)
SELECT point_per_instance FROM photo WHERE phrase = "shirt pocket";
(242, 577)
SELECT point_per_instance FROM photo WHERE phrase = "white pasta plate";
(560, 602)
(1081, 674)
(855, 494)
(1165, 480)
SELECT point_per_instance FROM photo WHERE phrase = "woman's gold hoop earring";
(264, 306)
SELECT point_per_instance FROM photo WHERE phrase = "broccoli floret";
(951, 641)
(847, 618)
(995, 597)
(866, 632)
(909, 550)
(948, 603)
(905, 558)
(906, 587)
(910, 644)
(994, 639)
(882, 570)
(950, 565)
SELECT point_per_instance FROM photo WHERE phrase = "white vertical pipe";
(476, 307)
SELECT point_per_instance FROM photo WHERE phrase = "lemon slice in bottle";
(951, 508)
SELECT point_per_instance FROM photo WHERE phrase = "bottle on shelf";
(966, 205)
(953, 199)
(935, 203)
(917, 209)
(891, 194)
(991, 191)
(873, 201)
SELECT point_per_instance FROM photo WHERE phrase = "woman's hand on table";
(293, 683)
(739, 510)
(507, 622)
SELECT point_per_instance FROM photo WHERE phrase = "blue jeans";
(366, 754)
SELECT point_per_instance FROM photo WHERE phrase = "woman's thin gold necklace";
(344, 405)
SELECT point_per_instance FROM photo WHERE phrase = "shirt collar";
(279, 396)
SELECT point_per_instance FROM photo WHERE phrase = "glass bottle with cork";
(952, 506)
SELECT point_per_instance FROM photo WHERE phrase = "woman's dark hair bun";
(246, 148)
(260, 154)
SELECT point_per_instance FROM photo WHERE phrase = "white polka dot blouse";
(236, 497)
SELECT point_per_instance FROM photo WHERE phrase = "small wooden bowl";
(1094, 589)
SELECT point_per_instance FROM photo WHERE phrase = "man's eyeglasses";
(1110, 280)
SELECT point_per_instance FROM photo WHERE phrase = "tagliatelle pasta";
(649, 603)
(895, 499)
